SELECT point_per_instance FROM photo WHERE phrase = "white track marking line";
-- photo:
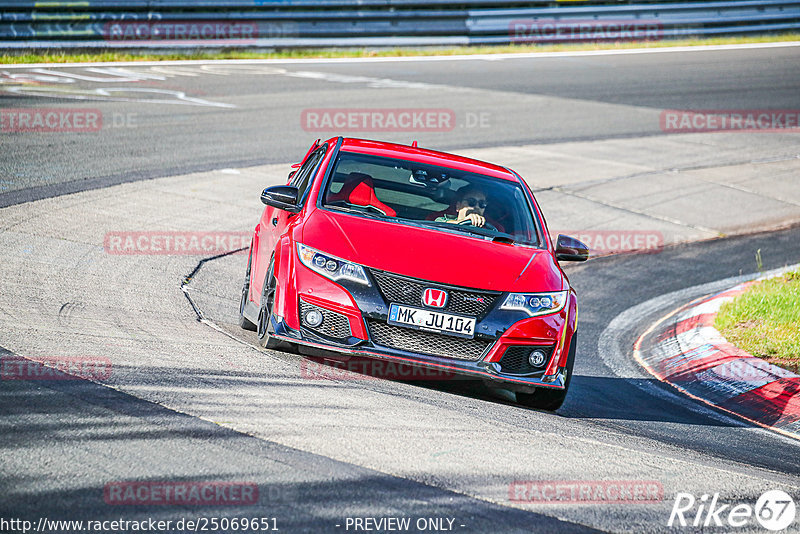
(104, 94)
(374, 83)
(109, 78)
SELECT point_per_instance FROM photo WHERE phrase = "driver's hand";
(477, 220)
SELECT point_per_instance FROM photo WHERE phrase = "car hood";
(430, 254)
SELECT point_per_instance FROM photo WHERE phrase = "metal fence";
(121, 24)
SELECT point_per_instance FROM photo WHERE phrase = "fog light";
(314, 318)
(537, 358)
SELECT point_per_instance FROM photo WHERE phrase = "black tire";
(265, 311)
(551, 399)
(244, 322)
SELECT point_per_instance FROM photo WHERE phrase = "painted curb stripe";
(687, 372)
(776, 403)
(693, 356)
(712, 303)
(699, 337)
(694, 322)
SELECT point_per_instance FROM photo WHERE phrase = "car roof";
(424, 155)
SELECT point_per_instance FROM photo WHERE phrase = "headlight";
(536, 303)
(330, 266)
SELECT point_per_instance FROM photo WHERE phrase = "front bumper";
(360, 312)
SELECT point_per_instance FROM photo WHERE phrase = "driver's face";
(475, 201)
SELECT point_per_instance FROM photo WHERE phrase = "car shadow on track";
(590, 397)
(632, 399)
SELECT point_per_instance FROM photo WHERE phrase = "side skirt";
(251, 312)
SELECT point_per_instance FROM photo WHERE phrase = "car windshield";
(434, 196)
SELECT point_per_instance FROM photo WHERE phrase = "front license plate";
(432, 321)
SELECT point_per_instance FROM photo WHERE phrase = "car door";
(274, 221)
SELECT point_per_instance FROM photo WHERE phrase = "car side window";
(302, 179)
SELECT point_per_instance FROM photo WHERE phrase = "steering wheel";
(486, 224)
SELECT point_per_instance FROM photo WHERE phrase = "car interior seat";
(358, 190)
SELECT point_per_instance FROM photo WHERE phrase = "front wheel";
(265, 311)
(551, 399)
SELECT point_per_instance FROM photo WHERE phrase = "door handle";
(274, 221)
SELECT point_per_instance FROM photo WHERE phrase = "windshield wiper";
(357, 212)
(498, 237)
(464, 228)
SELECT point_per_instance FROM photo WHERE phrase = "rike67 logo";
(775, 510)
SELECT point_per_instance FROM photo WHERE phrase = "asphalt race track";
(196, 400)
(251, 114)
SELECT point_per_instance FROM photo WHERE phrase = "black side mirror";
(283, 197)
(570, 249)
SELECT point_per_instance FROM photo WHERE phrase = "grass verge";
(765, 321)
(63, 56)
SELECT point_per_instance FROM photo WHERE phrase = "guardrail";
(137, 24)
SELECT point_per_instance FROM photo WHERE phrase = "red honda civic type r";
(420, 257)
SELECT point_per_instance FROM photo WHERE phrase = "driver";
(470, 205)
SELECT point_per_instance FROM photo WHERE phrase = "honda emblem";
(435, 298)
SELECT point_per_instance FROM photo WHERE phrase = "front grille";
(407, 339)
(515, 360)
(333, 324)
(403, 290)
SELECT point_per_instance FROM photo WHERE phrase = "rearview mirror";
(433, 180)
(283, 197)
(570, 249)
